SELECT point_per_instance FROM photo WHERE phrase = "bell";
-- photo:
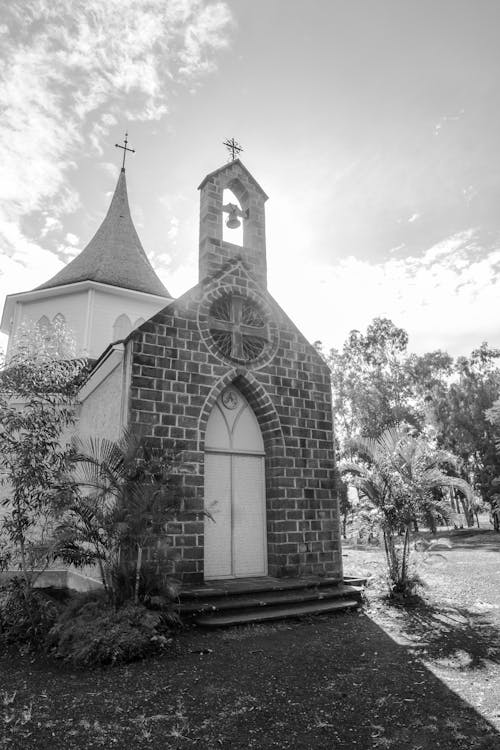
(232, 220)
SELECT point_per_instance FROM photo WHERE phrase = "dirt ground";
(408, 678)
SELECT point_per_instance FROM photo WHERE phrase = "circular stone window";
(238, 328)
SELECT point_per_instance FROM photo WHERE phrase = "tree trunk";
(496, 519)
(468, 513)
(22, 543)
(138, 574)
(104, 581)
(398, 569)
(404, 561)
(390, 555)
(24, 566)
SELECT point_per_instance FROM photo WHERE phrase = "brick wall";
(177, 376)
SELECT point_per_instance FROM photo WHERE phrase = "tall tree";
(372, 386)
(460, 417)
(493, 417)
(430, 375)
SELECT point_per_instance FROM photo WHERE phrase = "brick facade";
(178, 372)
(176, 380)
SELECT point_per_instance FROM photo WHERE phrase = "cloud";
(447, 118)
(183, 276)
(174, 229)
(26, 265)
(52, 223)
(201, 33)
(109, 168)
(67, 252)
(442, 298)
(72, 239)
(71, 68)
(99, 130)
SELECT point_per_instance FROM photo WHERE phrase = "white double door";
(235, 525)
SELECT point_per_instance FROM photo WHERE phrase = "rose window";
(238, 327)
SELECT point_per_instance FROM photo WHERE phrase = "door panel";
(249, 554)
(218, 536)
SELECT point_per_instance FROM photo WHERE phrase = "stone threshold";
(261, 584)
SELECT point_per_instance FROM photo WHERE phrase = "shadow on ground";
(487, 545)
(470, 539)
(328, 682)
(450, 633)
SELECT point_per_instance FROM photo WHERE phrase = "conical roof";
(114, 255)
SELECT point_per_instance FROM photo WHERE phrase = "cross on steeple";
(233, 147)
(125, 149)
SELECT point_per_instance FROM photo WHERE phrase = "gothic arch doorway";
(235, 540)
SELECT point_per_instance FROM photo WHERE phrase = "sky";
(373, 126)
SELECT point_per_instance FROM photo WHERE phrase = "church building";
(221, 371)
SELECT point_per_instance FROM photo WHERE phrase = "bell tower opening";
(232, 229)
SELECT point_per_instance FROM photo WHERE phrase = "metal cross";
(233, 147)
(237, 328)
(125, 149)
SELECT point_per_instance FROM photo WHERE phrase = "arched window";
(59, 319)
(122, 327)
(233, 235)
(44, 326)
(139, 322)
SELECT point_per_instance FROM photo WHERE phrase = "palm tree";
(119, 500)
(399, 475)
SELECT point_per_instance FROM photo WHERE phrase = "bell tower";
(215, 252)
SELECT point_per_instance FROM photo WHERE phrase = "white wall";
(72, 306)
(101, 411)
(90, 315)
(105, 310)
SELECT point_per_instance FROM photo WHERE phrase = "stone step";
(233, 587)
(276, 612)
(236, 586)
(241, 601)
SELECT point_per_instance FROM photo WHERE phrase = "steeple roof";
(114, 255)
(227, 167)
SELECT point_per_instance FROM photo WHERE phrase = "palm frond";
(351, 467)
(391, 438)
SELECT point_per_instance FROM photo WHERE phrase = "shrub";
(156, 589)
(26, 614)
(91, 633)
